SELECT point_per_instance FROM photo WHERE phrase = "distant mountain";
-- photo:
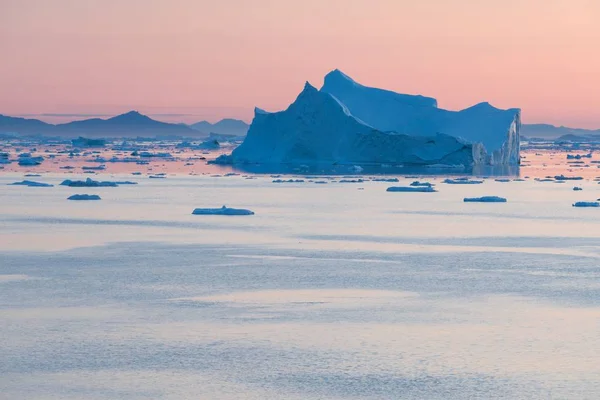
(228, 126)
(131, 124)
(546, 131)
(23, 125)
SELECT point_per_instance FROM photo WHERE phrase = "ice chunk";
(222, 211)
(351, 181)
(32, 184)
(30, 161)
(84, 197)
(568, 178)
(420, 189)
(422, 184)
(485, 199)
(385, 180)
(462, 181)
(88, 183)
(587, 204)
(288, 181)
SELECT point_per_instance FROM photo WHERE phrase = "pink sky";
(220, 58)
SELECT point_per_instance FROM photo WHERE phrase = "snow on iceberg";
(494, 133)
(31, 184)
(419, 189)
(84, 197)
(222, 211)
(485, 199)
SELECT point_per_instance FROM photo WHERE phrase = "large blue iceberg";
(348, 123)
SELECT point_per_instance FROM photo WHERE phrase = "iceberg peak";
(309, 88)
(260, 111)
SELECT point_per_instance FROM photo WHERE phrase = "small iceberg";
(222, 211)
(568, 178)
(587, 204)
(88, 183)
(485, 199)
(288, 181)
(413, 189)
(462, 181)
(421, 184)
(351, 181)
(393, 180)
(30, 161)
(84, 197)
(31, 184)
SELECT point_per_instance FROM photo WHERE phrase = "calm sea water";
(333, 291)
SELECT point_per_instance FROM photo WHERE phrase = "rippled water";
(337, 291)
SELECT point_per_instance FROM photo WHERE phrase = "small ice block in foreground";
(31, 184)
(84, 197)
(222, 211)
(420, 189)
(485, 199)
(587, 204)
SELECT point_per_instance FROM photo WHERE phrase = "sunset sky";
(187, 60)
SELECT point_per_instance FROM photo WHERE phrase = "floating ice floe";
(351, 181)
(587, 204)
(568, 178)
(421, 184)
(288, 181)
(31, 184)
(385, 180)
(420, 189)
(222, 211)
(30, 161)
(84, 197)
(462, 181)
(88, 183)
(485, 199)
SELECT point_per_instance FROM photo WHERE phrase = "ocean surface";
(331, 291)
